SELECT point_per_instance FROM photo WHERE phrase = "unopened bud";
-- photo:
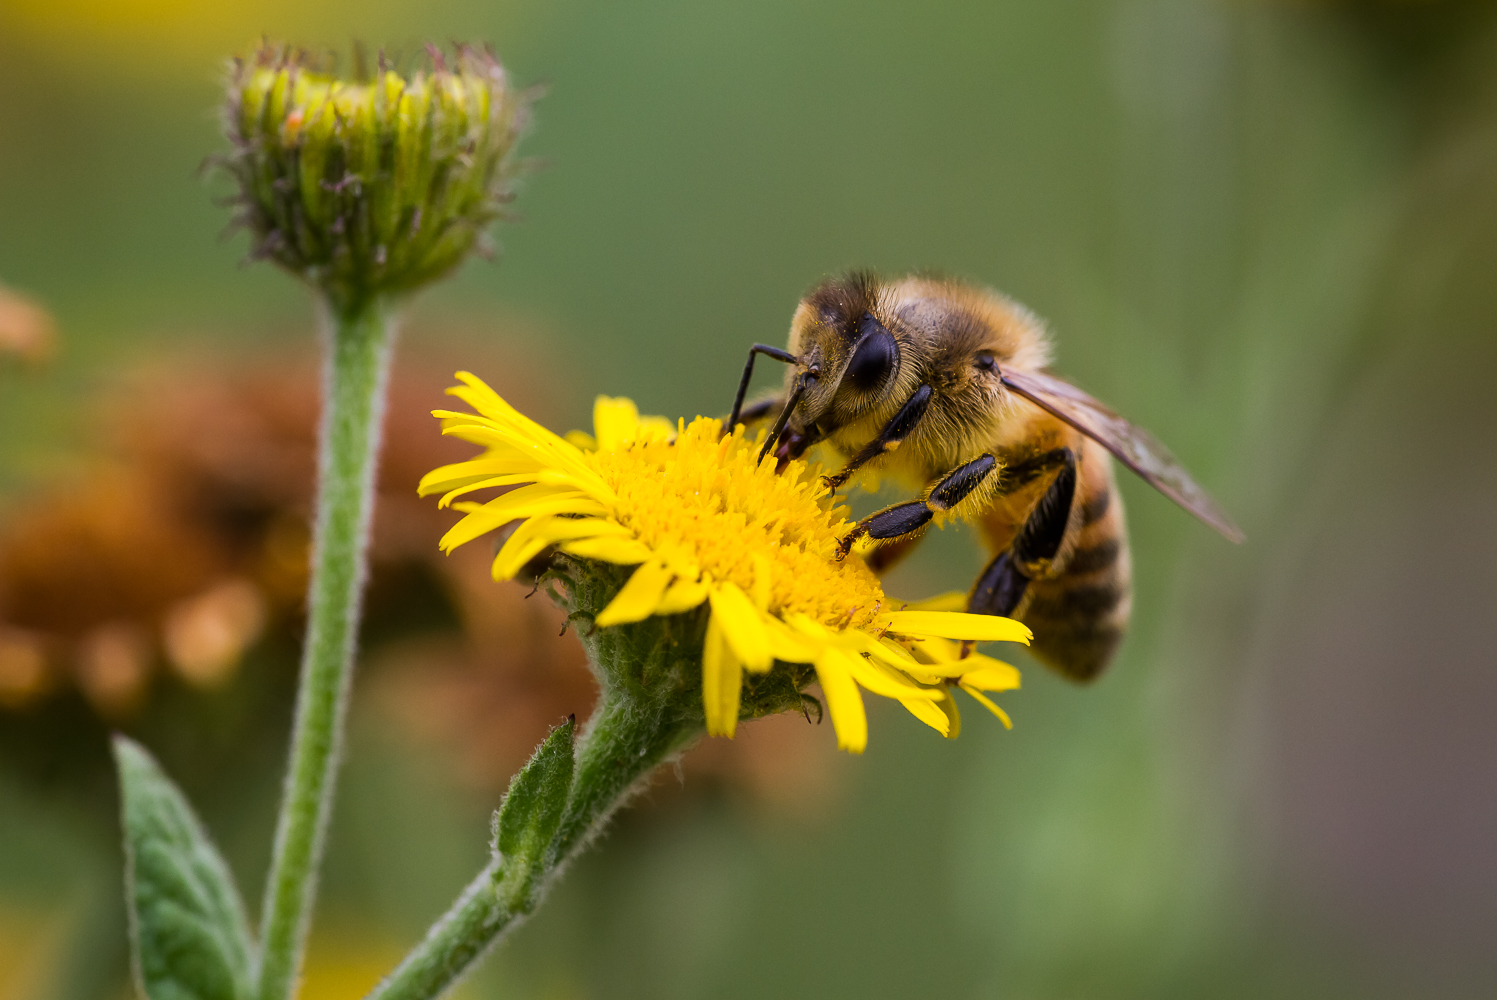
(374, 186)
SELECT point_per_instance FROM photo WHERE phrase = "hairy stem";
(624, 741)
(357, 342)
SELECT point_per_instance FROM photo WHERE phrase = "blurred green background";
(1266, 231)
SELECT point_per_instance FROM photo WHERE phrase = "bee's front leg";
(893, 434)
(904, 519)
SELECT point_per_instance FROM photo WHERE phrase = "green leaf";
(189, 939)
(532, 810)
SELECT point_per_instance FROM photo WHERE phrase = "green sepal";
(189, 939)
(527, 820)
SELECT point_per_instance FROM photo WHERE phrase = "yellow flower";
(704, 522)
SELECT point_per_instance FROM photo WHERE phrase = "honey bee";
(943, 387)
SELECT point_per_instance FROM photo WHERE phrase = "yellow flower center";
(706, 499)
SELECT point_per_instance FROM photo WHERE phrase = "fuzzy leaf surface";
(189, 939)
(534, 804)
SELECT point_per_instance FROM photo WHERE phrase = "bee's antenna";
(748, 373)
(779, 425)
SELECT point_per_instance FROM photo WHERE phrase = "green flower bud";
(374, 186)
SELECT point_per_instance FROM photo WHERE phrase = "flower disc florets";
(706, 528)
(374, 185)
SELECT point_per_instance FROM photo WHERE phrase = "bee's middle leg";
(904, 519)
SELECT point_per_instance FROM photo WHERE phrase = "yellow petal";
(462, 473)
(955, 625)
(790, 646)
(512, 558)
(527, 494)
(928, 649)
(540, 477)
(890, 653)
(742, 625)
(883, 680)
(582, 439)
(900, 656)
(621, 551)
(996, 676)
(655, 429)
(526, 541)
(843, 702)
(722, 682)
(956, 667)
(852, 640)
(637, 599)
(683, 595)
(927, 679)
(615, 422)
(565, 529)
(484, 399)
(466, 427)
(763, 581)
(987, 702)
(953, 715)
(928, 713)
(481, 520)
(953, 600)
(524, 434)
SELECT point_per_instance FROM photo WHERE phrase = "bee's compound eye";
(875, 358)
(986, 362)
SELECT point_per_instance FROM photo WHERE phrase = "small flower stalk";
(378, 184)
(366, 189)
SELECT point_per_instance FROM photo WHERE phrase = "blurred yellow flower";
(704, 521)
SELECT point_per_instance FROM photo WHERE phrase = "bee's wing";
(1134, 447)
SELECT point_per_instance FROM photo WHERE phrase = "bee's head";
(850, 347)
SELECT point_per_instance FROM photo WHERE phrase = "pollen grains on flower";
(704, 502)
(703, 520)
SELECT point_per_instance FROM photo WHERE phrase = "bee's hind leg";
(1002, 585)
(904, 519)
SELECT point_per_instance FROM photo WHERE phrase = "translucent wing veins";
(1134, 447)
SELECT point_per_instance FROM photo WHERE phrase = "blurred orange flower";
(181, 543)
(27, 330)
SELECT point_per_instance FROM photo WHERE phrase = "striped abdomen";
(1080, 612)
(1079, 607)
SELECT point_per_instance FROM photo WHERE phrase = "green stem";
(624, 742)
(357, 338)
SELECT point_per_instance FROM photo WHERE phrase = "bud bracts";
(371, 187)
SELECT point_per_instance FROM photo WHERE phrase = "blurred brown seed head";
(26, 329)
(23, 668)
(206, 635)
